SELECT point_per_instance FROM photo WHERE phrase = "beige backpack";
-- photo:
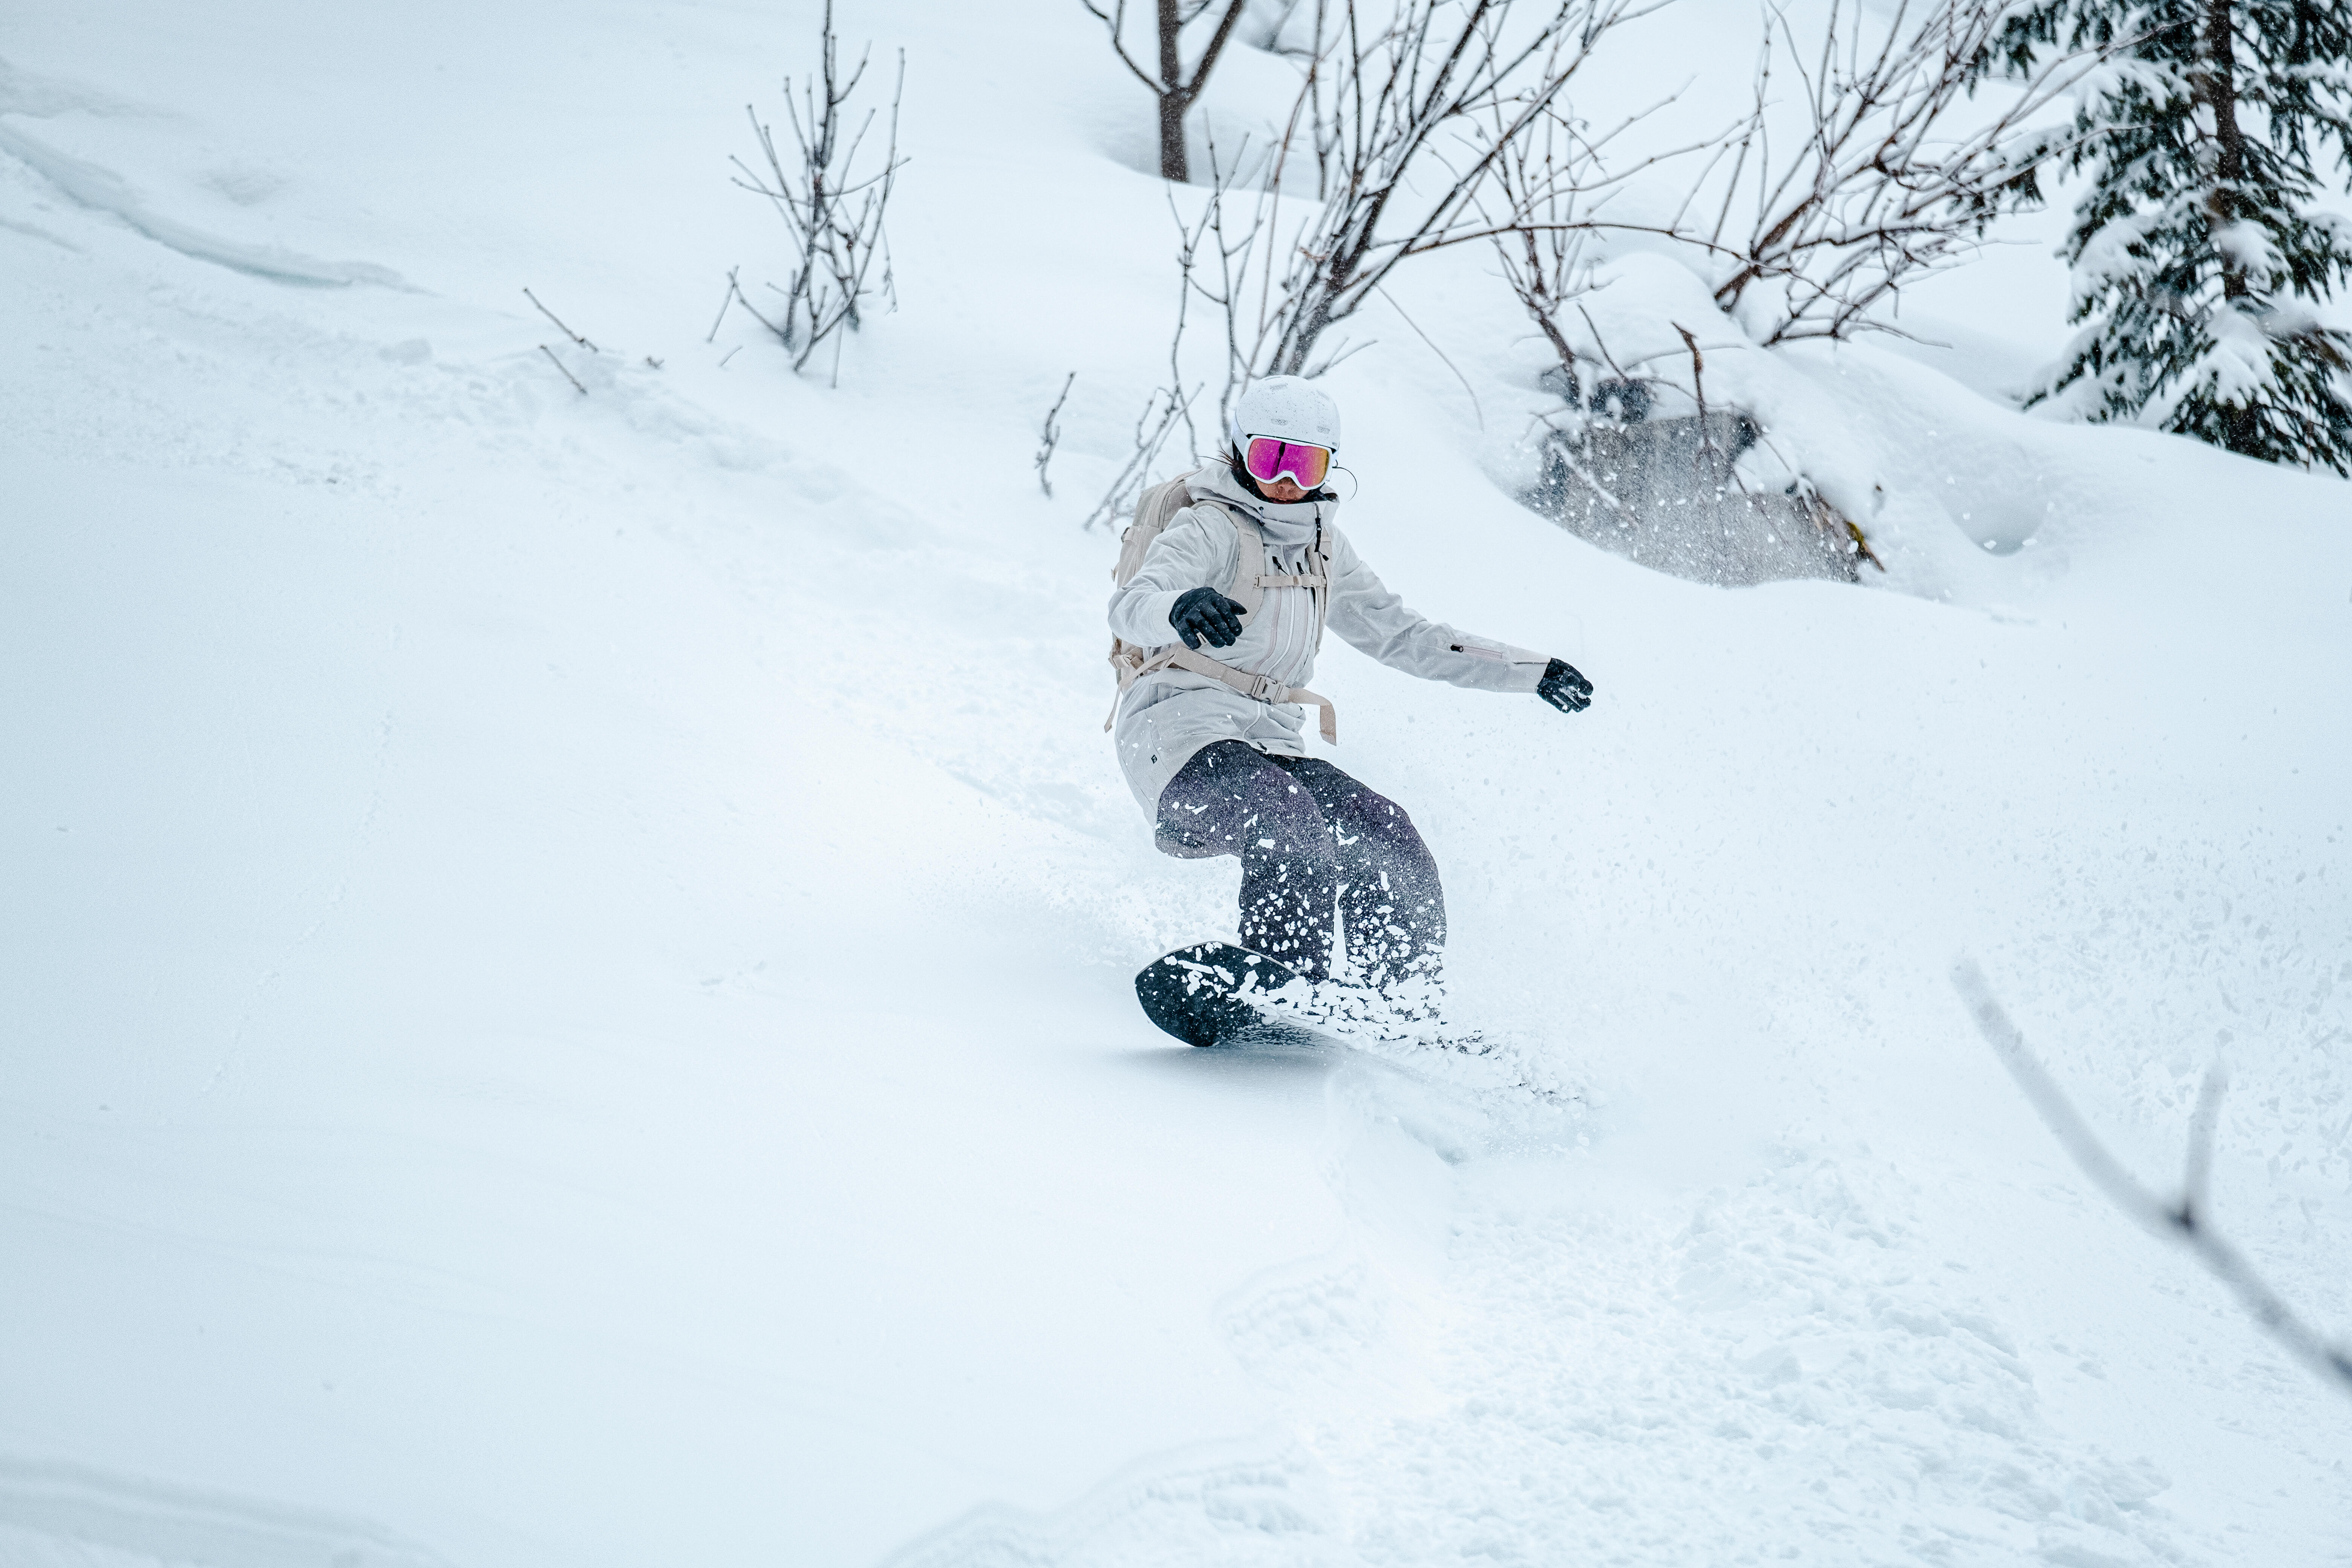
(1153, 513)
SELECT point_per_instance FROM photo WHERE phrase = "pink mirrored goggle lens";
(1267, 459)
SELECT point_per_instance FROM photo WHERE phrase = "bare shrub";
(1434, 99)
(1404, 126)
(834, 212)
(1819, 223)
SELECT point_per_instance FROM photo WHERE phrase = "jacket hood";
(1285, 524)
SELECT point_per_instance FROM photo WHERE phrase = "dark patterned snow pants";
(1311, 839)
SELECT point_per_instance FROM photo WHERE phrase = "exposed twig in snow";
(558, 365)
(1602, 343)
(724, 300)
(1698, 392)
(1568, 456)
(567, 331)
(1050, 434)
(745, 300)
(2183, 1218)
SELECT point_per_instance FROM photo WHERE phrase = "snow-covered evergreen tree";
(2198, 257)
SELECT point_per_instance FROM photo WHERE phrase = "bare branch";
(1049, 435)
(1548, 183)
(1116, 21)
(724, 300)
(1440, 352)
(2194, 1182)
(1707, 446)
(2184, 1219)
(558, 365)
(745, 300)
(1606, 355)
(1200, 78)
(1167, 406)
(1160, 413)
(567, 331)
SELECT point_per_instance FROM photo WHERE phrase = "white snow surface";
(568, 990)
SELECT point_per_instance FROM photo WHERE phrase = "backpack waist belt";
(1263, 687)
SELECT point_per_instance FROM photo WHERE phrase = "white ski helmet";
(1287, 407)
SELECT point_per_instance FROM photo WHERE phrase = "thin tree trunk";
(1173, 166)
(1173, 99)
(2230, 170)
(2241, 430)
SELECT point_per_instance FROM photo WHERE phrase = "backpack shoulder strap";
(1322, 563)
(1251, 579)
(1248, 587)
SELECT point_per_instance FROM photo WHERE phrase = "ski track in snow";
(66, 1516)
(576, 979)
(1529, 1362)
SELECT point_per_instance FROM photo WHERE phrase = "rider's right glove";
(1205, 613)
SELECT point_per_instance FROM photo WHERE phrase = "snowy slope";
(570, 1000)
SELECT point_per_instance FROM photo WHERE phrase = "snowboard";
(1209, 995)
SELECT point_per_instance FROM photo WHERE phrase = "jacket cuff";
(1501, 665)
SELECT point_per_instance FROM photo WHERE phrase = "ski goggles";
(1269, 457)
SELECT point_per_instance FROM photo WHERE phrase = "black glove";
(1564, 687)
(1205, 613)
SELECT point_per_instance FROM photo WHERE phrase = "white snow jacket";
(1169, 714)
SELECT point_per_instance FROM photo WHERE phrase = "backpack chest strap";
(1251, 579)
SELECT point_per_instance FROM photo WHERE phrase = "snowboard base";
(1200, 995)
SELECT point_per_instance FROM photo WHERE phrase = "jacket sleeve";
(1375, 620)
(1189, 553)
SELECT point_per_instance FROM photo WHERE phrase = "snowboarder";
(1214, 670)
